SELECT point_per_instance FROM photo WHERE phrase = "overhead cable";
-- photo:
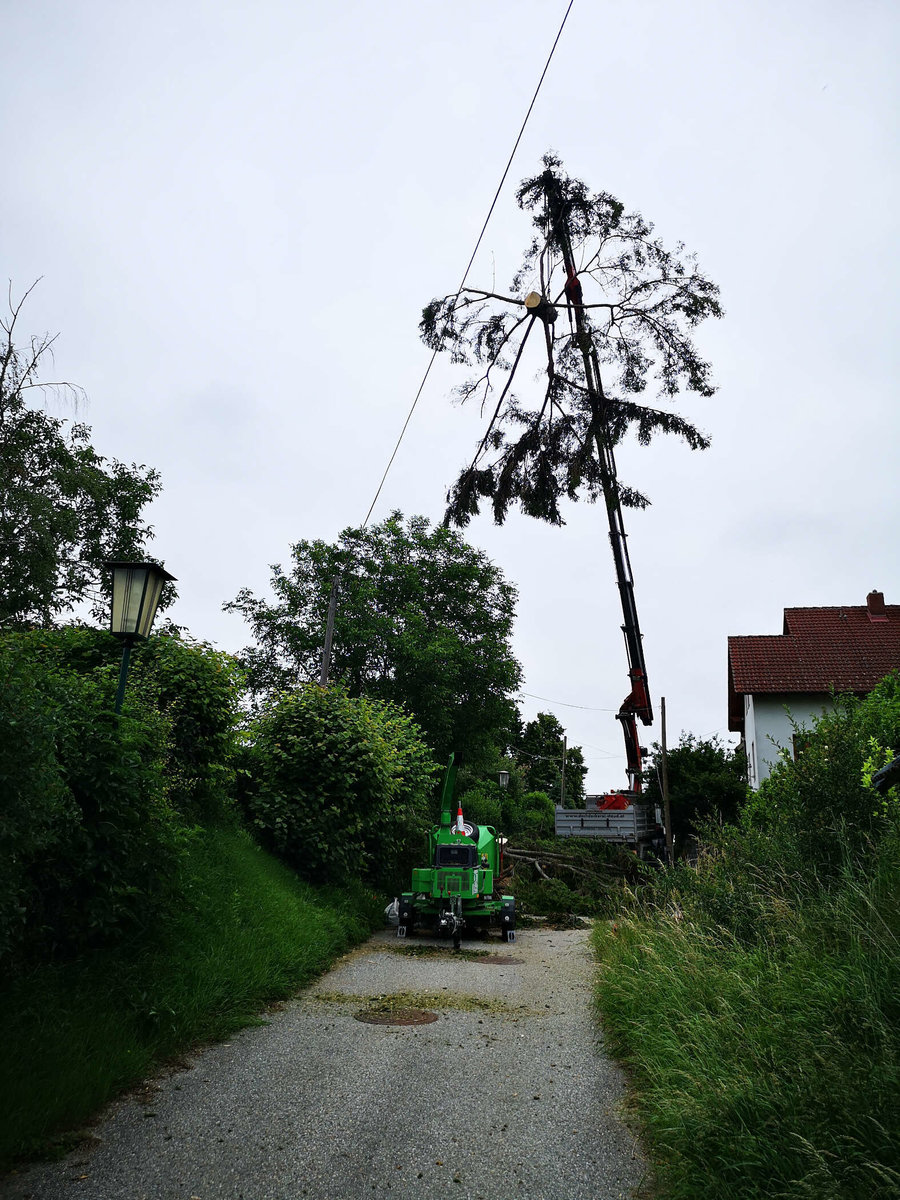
(462, 282)
(564, 704)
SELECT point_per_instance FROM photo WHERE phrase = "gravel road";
(506, 1096)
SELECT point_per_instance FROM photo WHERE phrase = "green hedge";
(89, 843)
(339, 787)
(97, 808)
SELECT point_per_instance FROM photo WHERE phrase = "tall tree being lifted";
(633, 325)
(605, 349)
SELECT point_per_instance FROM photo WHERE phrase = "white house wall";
(768, 728)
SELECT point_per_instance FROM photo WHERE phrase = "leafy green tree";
(64, 509)
(423, 620)
(630, 310)
(540, 754)
(707, 780)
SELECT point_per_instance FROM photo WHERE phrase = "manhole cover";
(506, 960)
(399, 1016)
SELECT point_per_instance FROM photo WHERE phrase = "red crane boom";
(637, 705)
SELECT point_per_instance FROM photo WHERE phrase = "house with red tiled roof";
(778, 682)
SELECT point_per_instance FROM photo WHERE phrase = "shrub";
(89, 845)
(805, 801)
(540, 814)
(481, 805)
(338, 786)
(197, 687)
(199, 690)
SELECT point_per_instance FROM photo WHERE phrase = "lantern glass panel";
(136, 592)
(152, 593)
(129, 590)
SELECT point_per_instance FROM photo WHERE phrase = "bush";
(337, 786)
(481, 805)
(805, 801)
(89, 844)
(197, 687)
(540, 814)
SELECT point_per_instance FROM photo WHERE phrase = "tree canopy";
(423, 620)
(540, 754)
(64, 509)
(707, 780)
(631, 306)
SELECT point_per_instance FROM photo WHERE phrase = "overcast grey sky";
(239, 210)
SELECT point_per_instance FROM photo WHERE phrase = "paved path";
(506, 1096)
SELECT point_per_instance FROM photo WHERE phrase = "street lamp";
(136, 589)
(504, 779)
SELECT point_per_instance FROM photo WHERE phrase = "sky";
(238, 210)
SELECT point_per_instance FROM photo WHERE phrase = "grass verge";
(249, 932)
(768, 1068)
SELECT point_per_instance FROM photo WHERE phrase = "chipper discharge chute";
(458, 890)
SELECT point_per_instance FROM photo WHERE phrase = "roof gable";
(846, 649)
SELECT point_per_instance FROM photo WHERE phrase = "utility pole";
(562, 790)
(329, 632)
(667, 811)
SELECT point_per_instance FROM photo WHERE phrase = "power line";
(564, 704)
(462, 282)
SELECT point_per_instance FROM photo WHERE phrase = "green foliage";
(422, 620)
(564, 877)
(195, 688)
(755, 996)
(338, 786)
(540, 814)
(768, 1068)
(646, 301)
(64, 509)
(540, 751)
(246, 932)
(828, 786)
(707, 782)
(89, 844)
(97, 808)
(199, 689)
(482, 805)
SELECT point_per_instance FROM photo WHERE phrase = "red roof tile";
(821, 648)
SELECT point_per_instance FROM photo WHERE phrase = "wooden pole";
(670, 852)
(562, 793)
(329, 632)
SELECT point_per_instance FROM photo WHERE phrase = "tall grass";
(248, 932)
(764, 1046)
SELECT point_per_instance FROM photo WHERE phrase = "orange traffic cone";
(459, 827)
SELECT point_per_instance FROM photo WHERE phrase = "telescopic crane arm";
(637, 705)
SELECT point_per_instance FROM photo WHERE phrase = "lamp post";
(136, 589)
(504, 779)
